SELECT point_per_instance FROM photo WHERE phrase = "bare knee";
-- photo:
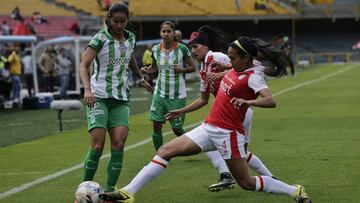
(178, 131)
(97, 147)
(118, 145)
(165, 152)
(246, 184)
(157, 127)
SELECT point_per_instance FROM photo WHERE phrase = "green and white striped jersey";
(111, 72)
(170, 85)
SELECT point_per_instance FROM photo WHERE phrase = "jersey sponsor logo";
(119, 61)
(241, 77)
(122, 47)
(93, 42)
(225, 87)
(102, 37)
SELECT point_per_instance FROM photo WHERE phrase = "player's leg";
(118, 130)
(226, 181)
(97, 118)
(253, 161)
(157, 113)
(238, 167)
(178, 123)
(192, 143)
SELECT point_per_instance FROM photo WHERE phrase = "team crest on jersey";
(102, 37)
(122, 47)
(242, 77)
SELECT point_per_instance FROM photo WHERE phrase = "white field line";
(78, 166)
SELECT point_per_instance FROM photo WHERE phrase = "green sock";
(114, 168)
(157, 139)
(90, 164)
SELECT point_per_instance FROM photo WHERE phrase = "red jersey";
(245, 85)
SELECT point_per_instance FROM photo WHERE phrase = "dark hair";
(114, 8)
(217, 39)
(168, 22)
(252, 47)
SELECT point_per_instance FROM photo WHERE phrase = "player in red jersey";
(208, 46)
(223, 128)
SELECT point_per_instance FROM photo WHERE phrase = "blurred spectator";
(15, 72)
(146, 61)
(15, 14)
(178, 35)
(75, 28)
(38, 18)
(28, 71)
(237, 4)
(64, 65)
(107, 4)
(5, 79)
(47, 65)
(263, 5)
(21, 28)
(5, 28)
(282, 42)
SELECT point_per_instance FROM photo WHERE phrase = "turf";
(311, 138)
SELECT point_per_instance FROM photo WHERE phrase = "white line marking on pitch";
(78, 166)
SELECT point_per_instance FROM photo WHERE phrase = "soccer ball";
(88, 192)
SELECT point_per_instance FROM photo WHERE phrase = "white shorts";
(209, 138)
(247, 124)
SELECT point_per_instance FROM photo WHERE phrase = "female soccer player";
(170, 58)
(223, 127)
(207, 46)
(107, 94)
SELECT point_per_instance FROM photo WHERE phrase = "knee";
(246, 184)
(178, 131)
(97, 147)
(157, 126)
(165, 152)
(118, 145)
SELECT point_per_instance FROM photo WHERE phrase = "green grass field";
(311, 138)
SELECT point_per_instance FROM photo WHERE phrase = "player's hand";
(238, 102)
(211, 77)
(89, 98)
(145, 70)
(173, 115)
(178, 69)
(147, 86)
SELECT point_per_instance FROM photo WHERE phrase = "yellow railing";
(327, 57)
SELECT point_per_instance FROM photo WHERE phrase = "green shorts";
(161, 106)
(108, 113)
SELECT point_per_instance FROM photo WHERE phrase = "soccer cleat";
(226, 181)
(117, 196)
(300, 195)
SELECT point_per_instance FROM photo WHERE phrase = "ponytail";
(217, 39)
(252, 48)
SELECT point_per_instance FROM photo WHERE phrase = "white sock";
(147, 174)
(270, 185)
(255, 164)
(217, 161)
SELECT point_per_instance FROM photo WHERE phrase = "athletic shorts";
(161, 106)
(247, 124)
(108, 113)
(229, 143)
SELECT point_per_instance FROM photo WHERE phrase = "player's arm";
(135, 69)
(188, 69)
(89, 56)
(197, 104)
(266, 100)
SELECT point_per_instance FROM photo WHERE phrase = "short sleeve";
(257, 82)
(221, 58)
(97, 41)
(185, 51)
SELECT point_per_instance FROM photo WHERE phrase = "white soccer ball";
(88, 192)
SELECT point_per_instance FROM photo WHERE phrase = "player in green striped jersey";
(107, 94)
(170, 58)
